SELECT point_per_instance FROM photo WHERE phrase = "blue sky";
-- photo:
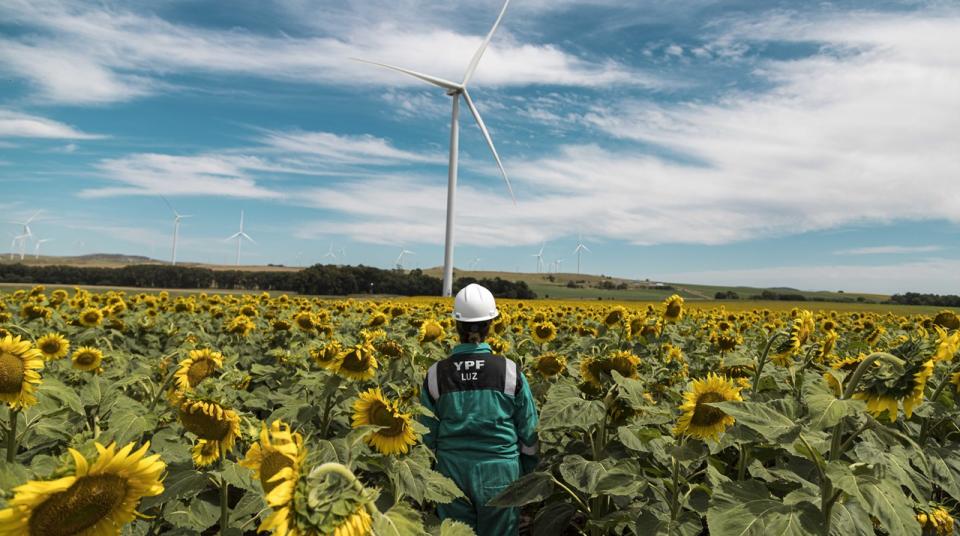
(812, 145)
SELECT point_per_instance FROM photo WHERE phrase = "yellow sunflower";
(372, 408)
(430, 331)
(357, 362)
(211, 422)
(702, 421)
(198, 366)
(673, 308)
(551, 364)
(305, 321)
(20, 364)
(53, 346)
(543, 332)
(936, 521)
(615, 316)
(87, 358)
(276, 460)
(827, 344)
(499, 345)
(97, 499)
(326, 355)
(947, 345)
(205, 453)
(90, 317)
(907, 388)
(240, 325)
(595, 369)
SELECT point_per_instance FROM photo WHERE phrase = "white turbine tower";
(176, 229)
(239, 236)
(557, 264)
(36, 247)
(539, 256)
(330, 254)
(16, 243)
(25, 235)
(343, 255)
(455, 91)
(400, 258)
(580, 249)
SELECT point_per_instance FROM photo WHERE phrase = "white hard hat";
(474, 303)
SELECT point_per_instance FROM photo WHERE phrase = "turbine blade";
(231, 237)
(483, 46)
(175, 213)
(586, 248)
(35, 214)
(446, 84)
(245, 235)
(486, 136)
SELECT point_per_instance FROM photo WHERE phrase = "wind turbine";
(176, 228)
(330, 254)
(17, 241)
(25, 235)
(455, 91)
(239, 235)
(400, 258)
(343, 255)
(580, 249)
(36, 247)
(539, 256)
(557, 264)
(474, 262)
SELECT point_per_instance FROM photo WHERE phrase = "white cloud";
(125, 55)
(20, 125)
(160, 174)
(888, 250)
(935, 276)
(333, 148)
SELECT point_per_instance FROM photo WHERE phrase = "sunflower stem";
(862, 369)
(583, 505)
(12, 435)
(341, 471)
(224, 493)
(763, 361)
(742, 466)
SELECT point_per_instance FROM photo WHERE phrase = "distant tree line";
(321, 279)
(915, 298)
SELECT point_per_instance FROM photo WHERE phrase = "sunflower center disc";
(84, 504)
(50, 347)
(11, 373)
(673, 310)
(380, 415)
(355, 362)
(91, 318)
(86, 359)
(272, 464)
(205, 426)
(706, 415)
(199, 371)
(549, 365)
(543, 332)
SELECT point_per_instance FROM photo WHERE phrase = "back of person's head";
(473, 309)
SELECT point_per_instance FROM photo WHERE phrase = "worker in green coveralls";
(484, 432)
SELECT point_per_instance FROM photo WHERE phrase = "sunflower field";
(150, 413)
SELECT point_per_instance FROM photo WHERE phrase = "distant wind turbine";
(330, 254)
(36, 248)
(400, 258)
(539, 256)
(474, 262)
(176, 228)
(25, 235)
(455, 91)
(580, 249)
(343, 255)
(557, 264)
(240, 236)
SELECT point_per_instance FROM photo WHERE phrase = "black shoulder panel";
(471, 372)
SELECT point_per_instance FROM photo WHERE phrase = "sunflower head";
(697, 418)
(543, 332)
(615, 316)
(947, 320)
(20, 364)
(305, 321)
(596, 370)
(935, 521)
(430, 331)
(87, 358)
(53, 346)
(326, 355)
(276, 459)
(210, 421)
(551, 364)
(97, 497)
(357, 362)
(198, 366)
(240, 325)
(884, 387)
(90, 317)
(396, 435)
(673, 308)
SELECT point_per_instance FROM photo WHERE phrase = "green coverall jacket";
(484, 432)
